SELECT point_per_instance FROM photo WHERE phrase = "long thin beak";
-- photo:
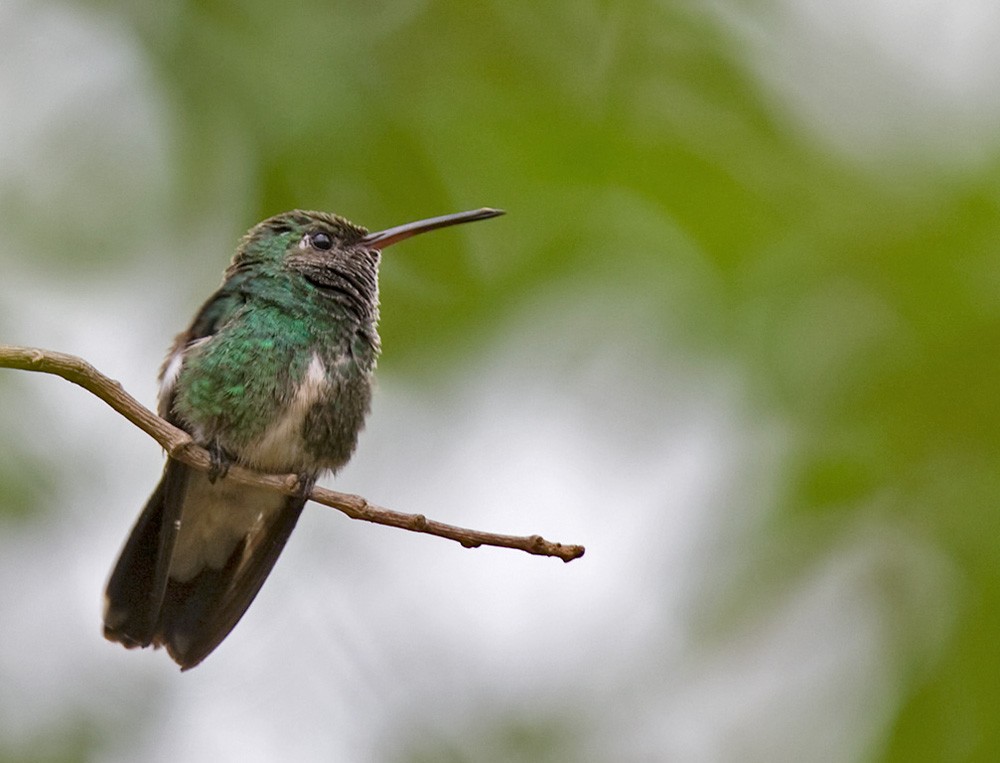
(383, 238)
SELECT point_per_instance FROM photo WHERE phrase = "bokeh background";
(737, 335)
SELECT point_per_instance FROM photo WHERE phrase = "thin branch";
(179, 445)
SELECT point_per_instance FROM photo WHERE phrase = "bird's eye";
(320, 240)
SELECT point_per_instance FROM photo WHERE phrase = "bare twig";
(181, 447)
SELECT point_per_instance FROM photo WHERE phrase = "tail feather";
(145, 605)
(197, 615)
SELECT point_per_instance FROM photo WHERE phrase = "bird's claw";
(220, 463)
(304, 485)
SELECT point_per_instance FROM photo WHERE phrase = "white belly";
(280, 447)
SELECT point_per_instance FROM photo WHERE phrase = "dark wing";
(220, 308)
(138, 583)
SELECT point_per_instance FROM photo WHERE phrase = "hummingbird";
(274, 374)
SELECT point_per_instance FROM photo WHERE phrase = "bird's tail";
(190, 617)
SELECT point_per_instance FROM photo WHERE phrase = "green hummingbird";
(274, 374)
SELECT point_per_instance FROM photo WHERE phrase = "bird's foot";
(220, 462)
(304, 485)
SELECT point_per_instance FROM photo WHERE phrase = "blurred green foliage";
(638, 159)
